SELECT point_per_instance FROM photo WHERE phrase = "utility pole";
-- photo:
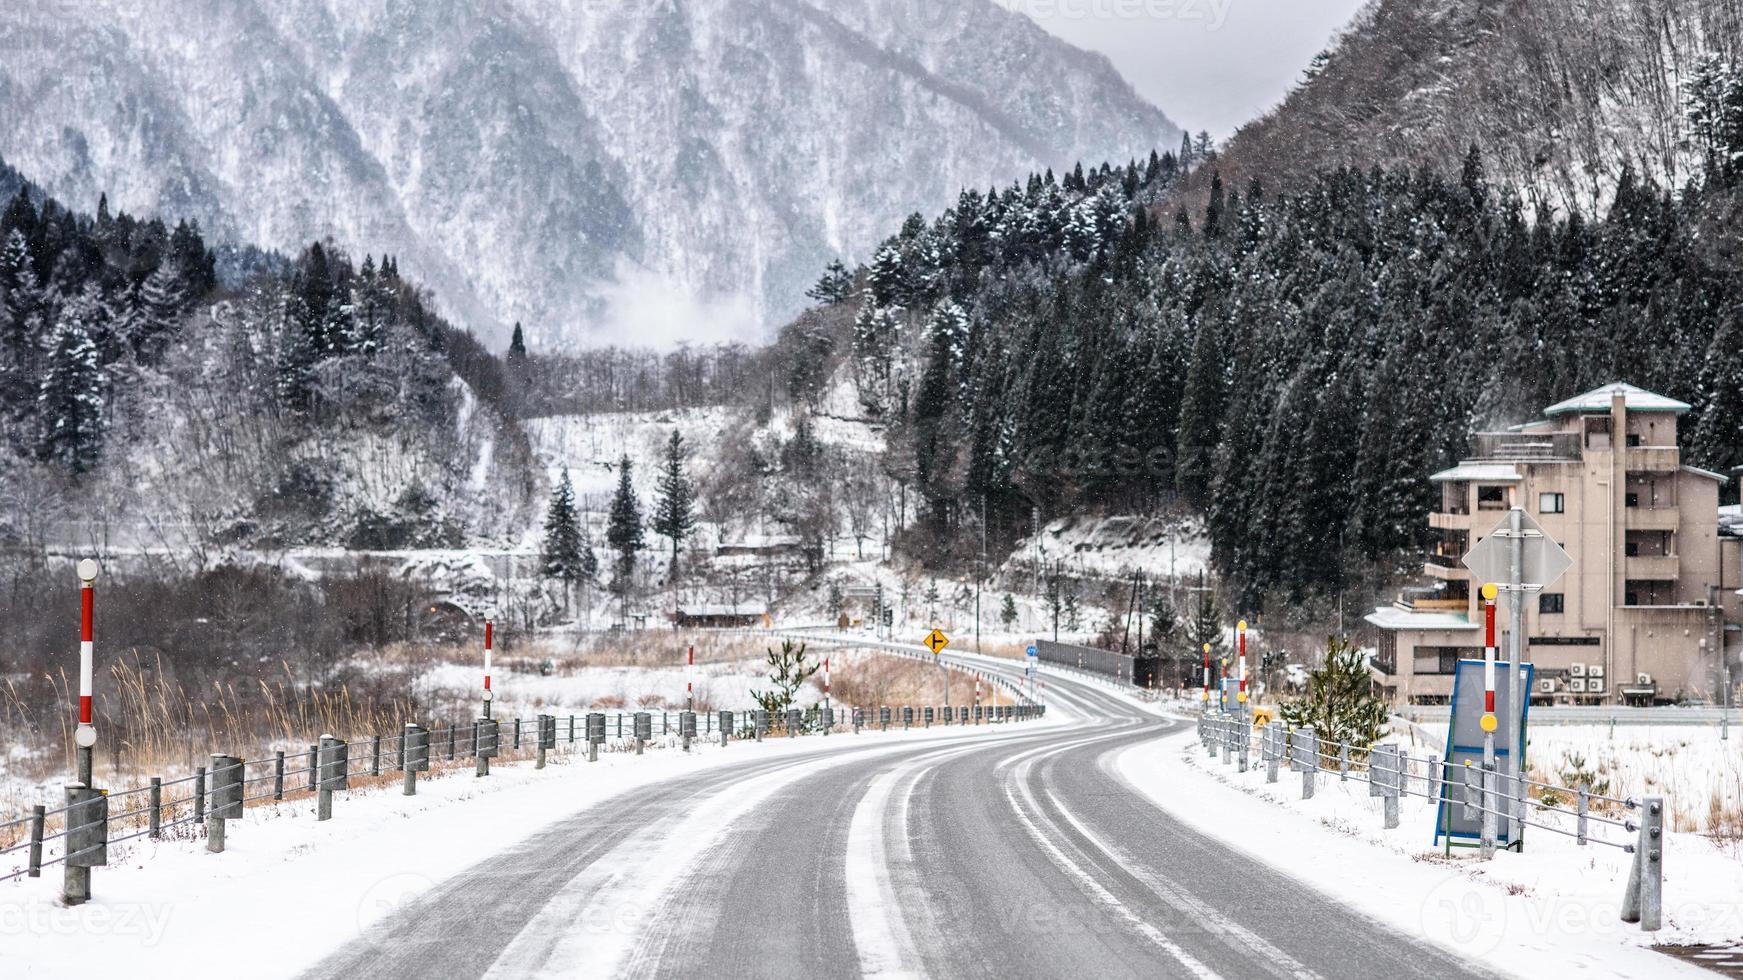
(1515, 647)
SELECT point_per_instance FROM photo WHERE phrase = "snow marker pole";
(483, 767)
(85, 736)
(1488, 722)
(1242, 723)
(825, 694)
(690, 679)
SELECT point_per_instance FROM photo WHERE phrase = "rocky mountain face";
(603, 170)
(1559, 95)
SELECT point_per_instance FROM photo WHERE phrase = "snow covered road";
(1019, 853)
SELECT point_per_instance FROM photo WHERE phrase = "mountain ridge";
(601, 171)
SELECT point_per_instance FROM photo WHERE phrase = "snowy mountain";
(605, 170)
(1560, 95)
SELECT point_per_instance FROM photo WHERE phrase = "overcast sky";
(1209, 64)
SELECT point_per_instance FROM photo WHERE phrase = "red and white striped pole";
(1207, 675)
(85, 736)
(1489, 722)
(489, 638)
(690, 679)
(1241, 643)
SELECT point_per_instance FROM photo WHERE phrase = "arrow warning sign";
(936, 641)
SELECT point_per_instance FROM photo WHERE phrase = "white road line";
(1087, 881)
(882, 938)
(1190, 905)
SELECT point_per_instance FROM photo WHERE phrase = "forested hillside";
(1561, 94)
(321, 401)
(1294, 365)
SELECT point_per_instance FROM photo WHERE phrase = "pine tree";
(71, 397)
(836, 285)
(1008, 612)
(675, 501)
(159, 310)
(623, 529)
(1340, 704)
(1201, 412)
(1206, 626)
(565, 554)
(1718, 436)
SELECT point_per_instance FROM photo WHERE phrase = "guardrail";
(78, 834)
(1484, 793)
(1596, 715)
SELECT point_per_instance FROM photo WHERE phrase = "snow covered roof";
(1598, 400)
(1394, 618)
(1709, 474)
(749, 609)
(1479, 473)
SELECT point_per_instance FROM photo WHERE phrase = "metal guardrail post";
(452, 738)
(37, 819)
(375, 755)
(314, 767)
(1486, 840)
(87, 840)
(1343, 762)
(1385, 780)
(199, 793)
(227, 794)
(1222, 727)
(154, 803)
(416, 749)
(1272, 749)
(1584, 806)
(1643, 900)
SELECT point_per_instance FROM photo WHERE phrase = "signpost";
(936, 641)
(1241, 708)
(1033, 668)
(1518, 557)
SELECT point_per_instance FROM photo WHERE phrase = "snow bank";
(1540, 913)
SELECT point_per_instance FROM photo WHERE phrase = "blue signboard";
(1464, 743)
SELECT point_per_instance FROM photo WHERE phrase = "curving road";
(1016, 854)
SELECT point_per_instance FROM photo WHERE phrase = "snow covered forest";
(1293, 365)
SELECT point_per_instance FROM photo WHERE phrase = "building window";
(1549, 602)
(1631, 500)
(1491, 498)
(1550, 503)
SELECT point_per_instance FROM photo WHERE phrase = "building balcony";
(1653, 568)
(1653, 459)
(1450, 571)
(1652, 518)
(1449, 521)
(1528, 446)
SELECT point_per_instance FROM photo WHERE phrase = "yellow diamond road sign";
(936, 642)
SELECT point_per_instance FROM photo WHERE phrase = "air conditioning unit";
(1594, 685)
(1595, 670)
(1644, 680)
(1546, 685)
(1577, 670)
(1577, 685)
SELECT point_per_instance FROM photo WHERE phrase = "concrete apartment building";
(1650, 610)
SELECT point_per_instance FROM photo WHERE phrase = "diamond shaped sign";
(1543, 562)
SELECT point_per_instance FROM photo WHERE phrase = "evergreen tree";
(1206, 626)
(1718, 435)
(1201, 412)
(1008, 612)
(675, 500)
(565, 554)
(71, 397)
(623, 529)
(836, 285)
(1340, 704)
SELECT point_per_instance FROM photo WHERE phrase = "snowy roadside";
(1548, 910)
(304, 888)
